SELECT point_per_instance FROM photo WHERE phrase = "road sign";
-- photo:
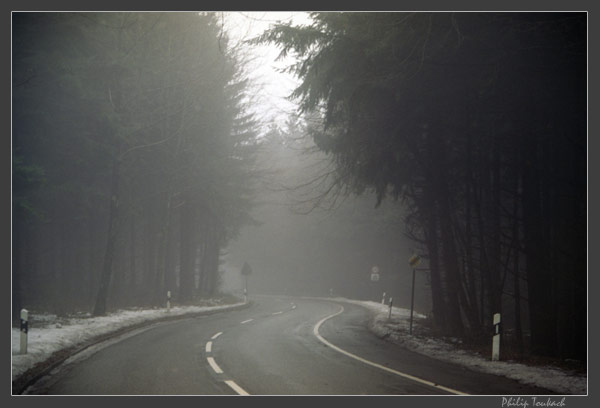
(246, 269)
(375, 273)
(414, 260)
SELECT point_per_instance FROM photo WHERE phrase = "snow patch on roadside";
(48, 334)
(396, 329)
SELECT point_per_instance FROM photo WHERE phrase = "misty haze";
(274, 203)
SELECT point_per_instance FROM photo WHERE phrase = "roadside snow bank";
(396, 330)
(48, 334)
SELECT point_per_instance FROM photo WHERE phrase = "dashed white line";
(211, 361)
(390, 370)
(277, 313)
(246, 321)
(214, 365)
(236, 387)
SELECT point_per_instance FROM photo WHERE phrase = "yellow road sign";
(414, 260)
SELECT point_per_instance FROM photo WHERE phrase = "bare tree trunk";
(495, 282)
(517, 267)
(539, 282)
(170, 259)
(444, 215)
(132, 255)
(212, 255)
(91, 260)
(187, 249)
(163, 251)
(471, 284)
(517, 294)
(454, 289)
(437, 292)
(101, 298)
(17, 270)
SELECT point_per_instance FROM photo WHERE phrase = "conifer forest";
(140, 157)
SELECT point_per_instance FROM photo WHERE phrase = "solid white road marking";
(362, 360)
(209, 347)
(236, 387)
(277, 313)
(214, 365)
(246, 321)
(216, 335)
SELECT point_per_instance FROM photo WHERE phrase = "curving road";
(278, 346)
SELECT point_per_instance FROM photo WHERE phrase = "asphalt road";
(278, 346)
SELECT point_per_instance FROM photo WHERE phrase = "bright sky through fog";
(274, 87)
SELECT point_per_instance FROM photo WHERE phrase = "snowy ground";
(396, 330)
(48, 334)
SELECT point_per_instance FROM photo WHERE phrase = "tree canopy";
(476, 121)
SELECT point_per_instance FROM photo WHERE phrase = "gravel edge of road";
(29, 377)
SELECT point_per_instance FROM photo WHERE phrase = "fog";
(296, 249)
(156, 153)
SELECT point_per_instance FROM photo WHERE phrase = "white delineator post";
(168, 301)
(390, 313)
(383, 299)
(24, 330)
(496, 338)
